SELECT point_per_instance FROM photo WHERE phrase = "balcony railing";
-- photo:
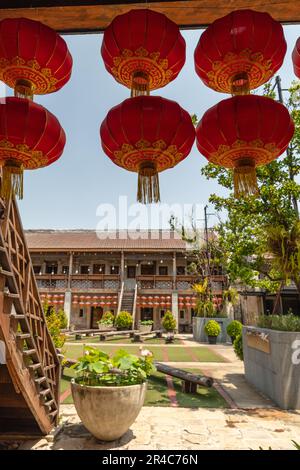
(95, 281)
(182, 282)
(78, 281)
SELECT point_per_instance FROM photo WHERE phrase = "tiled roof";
(83, 240)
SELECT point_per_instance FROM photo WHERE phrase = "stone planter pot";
(212, 339)
(200, 335)
(108, 412)
(145, 328)
(105, 327)
(272, 364)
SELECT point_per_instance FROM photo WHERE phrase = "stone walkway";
(158, 428)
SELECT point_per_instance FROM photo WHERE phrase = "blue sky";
(67, 193)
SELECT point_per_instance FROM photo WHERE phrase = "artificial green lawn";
(161, 353)
(157, 392)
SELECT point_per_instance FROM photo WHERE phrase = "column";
(67, 306)
(174, 270)
(122, 273)
(70, 271)
(175, 309)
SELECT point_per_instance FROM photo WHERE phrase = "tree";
(246, 233)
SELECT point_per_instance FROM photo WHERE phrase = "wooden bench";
(79, 333)
(189, 381)
(138, 336)
(105, 334)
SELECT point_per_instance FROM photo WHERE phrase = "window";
(81, 313)
(99, 269)
(163, 270)
(114, 269)
(84, 269)
(162, 313)
(65, 269)
(37, 269)
(180, 271)
(181, 314)
(148, 269)
(51, 268)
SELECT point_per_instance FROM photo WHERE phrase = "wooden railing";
(32, 362)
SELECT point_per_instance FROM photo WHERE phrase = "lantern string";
(12, 181)
(245, 179)
(148, 184)
(140, 84)
(23, 89)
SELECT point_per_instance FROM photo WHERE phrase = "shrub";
(124, 320)
(146, 322)
(280, 322)
(96, 368)
(108, 317)
(238, 347)
(62, 318)
(55, 322)
(234, 329)
(168, 321)
(212, 328)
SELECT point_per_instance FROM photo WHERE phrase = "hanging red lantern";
(34, 59)
(30, 137)
(296, 58)
(240, 51)
(143, 50)
(147, 134)
(244, 132)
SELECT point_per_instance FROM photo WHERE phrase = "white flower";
(146, 353)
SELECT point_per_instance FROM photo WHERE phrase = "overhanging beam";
(79, 16)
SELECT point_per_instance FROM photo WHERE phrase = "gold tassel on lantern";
(140, 84)
(244, 178)
(148, 184)
(12, 180)
(24, 89)
(240, 84)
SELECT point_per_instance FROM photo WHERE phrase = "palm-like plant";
(283, 244)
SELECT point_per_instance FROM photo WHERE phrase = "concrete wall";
(275, 373)
(200, 335)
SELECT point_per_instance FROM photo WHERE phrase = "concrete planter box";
(108, 412)
(200, 335)
(145, 328)
(270, 359)
(105, 327)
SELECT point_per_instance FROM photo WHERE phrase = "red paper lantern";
(34, 59)
(143, 50)
(240, 51)
(147, 134)
(296, 58)
(30, 137)
(243, 132)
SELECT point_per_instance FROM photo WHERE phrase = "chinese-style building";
(145, 273)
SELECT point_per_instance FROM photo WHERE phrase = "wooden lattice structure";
(29, 381)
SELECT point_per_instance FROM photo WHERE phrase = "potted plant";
(168, 321)
(106, 322)
(103, 384)
(234, 329)
(212, 329)
(146, 326)
(123, 320)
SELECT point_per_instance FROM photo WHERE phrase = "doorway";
(96, 315)
(131, 272)
(146, 313)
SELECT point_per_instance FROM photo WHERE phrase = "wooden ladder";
(30, 374)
